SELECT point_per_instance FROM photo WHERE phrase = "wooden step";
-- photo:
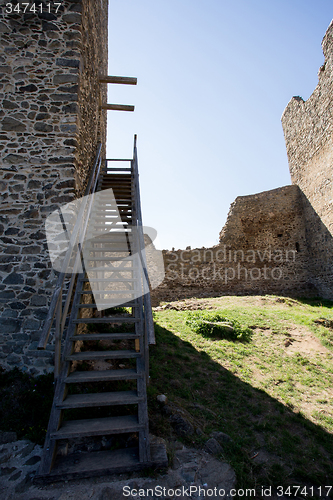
(107, 319)
(104, 267)
(97, 355)
(130, 292)
(111, 280)
(109, 249)
(117, 292)
(108, 210)
(109, 238)
(100, 399)
(118, 189)
(129, 258)
(79, 377)
(123, 196)
(120, 226)
(120, 169)
(124, 248)
(121, 205)
(104, 336)
(123, 187)
(111, 226)
(97, 427)
(99, 463)
(117, 179)
(107, 304)
(127, 202)
(107, 217)
(116, 169)
(114, 219)
(115, 184)
(105, 292)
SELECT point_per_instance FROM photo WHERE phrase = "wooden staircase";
(102, 349)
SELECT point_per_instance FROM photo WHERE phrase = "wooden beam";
(117, 107)
(125, 80)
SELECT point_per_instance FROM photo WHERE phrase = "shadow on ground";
(271, 445)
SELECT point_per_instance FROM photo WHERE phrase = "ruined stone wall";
(50, 125)
(262, 249)
(308, 131)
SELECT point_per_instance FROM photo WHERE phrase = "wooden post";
(124, 80)
(57, 343)
(117, 107)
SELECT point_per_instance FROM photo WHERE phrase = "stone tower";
(50, 125)
(308, 131)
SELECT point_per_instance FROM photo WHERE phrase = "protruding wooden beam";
(118, 107)
(125, 80)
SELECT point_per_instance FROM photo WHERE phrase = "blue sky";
(214, 77)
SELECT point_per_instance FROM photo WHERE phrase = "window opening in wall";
(280, 235)
(297, 246)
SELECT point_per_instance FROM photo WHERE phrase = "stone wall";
(50, 125)
(263, 249)
(308, 131)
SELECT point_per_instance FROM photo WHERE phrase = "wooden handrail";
(77, 234)
(146, 299)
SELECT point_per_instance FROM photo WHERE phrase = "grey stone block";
(10, 124)
(8, 325)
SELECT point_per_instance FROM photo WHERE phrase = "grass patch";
(215, 324)
(273, 399)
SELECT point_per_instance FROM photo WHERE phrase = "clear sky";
(214, 77)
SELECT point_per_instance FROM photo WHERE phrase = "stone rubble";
(19, 462)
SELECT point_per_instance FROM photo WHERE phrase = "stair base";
(101, 463)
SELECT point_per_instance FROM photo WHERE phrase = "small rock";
(221, 437)
(72, 18)
(167, 410)
(161, 398)
(188, 475)
(94, 447)
(213, 447)
(181, 425)
(222, 324)
(28, 88)
(7, 437)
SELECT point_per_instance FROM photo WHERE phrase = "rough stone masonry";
(50, 125)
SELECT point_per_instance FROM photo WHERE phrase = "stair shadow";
(271, 444)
